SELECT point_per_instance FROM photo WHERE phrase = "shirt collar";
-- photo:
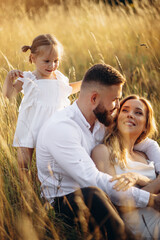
(79, 115)
(83, 120)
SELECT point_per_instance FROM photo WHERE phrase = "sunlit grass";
(90, 34)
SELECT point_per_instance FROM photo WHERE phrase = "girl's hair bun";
(25, 48)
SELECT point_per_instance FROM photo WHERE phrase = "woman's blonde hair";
(40, 41)
(114, 140)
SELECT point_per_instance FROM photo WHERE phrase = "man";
(67, 173)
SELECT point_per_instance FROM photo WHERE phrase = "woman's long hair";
(114, 140)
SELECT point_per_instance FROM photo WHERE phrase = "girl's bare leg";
(24, 156)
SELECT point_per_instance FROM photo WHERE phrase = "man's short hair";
(103, 74)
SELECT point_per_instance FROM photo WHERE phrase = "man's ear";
(95, 98)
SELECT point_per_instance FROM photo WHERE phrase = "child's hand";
(12, 75)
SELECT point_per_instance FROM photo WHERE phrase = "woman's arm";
(75, 86)
(153, 186)
(11, 88)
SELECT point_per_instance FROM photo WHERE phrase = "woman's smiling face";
(132, 118)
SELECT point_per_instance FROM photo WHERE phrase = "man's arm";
(152, 150)
(64, 144)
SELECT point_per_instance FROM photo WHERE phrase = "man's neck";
(87, 113)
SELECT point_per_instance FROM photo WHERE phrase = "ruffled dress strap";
(65, 89)
(29, 89)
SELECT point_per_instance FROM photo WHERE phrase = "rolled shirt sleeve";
(64, 142)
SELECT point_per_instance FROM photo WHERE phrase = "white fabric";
(63, 153)
(134, 218)
(152, 150)
(41, 99)
(147, 170)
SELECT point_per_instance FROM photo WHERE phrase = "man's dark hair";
(103, 74)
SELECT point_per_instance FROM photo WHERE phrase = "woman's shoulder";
(101, 150)
(101, 157)
(100, 147)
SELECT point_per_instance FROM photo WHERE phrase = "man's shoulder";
(60, 126)
(60, 119)
(65, 115)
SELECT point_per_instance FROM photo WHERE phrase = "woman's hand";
(125, 180)
(12, 75)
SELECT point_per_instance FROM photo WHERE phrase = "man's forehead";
(114, 90)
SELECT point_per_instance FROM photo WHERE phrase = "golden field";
(127, 38)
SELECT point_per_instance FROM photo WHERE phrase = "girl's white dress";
(135, 219)
(42, 97)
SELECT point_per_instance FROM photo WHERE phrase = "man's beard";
(103, 115)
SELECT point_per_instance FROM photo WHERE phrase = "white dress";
(42, 97)
(134, 219)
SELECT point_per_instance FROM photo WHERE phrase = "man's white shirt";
(63, 153)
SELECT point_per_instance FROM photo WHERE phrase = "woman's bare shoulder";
(100, 150)
(101, 157)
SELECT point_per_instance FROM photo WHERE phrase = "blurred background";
(124, 34)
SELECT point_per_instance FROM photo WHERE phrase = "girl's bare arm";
(12, 87)
(76, 86)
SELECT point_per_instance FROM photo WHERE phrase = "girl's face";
(132, 118)
(46, 62)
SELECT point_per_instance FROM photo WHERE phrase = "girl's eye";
(47, 61)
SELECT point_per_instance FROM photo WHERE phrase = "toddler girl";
(46, 90)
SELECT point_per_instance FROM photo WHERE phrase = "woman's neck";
(133, 154)
(129, 145)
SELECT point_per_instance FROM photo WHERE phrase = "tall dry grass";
(126, 38)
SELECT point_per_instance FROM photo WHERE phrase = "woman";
(129, 167)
